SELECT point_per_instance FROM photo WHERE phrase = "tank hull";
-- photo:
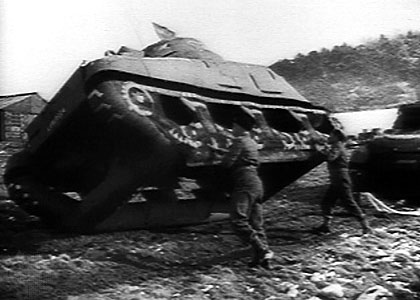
(391, 168)
(128, 144)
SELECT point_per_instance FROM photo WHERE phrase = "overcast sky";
(43, 41)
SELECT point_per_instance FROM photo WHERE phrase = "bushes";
(382, 62)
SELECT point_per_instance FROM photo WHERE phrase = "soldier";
(340, 183)
(242, 161)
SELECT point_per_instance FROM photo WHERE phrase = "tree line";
(385, 59)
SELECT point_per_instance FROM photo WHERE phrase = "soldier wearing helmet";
(340, 182)
(242, 161)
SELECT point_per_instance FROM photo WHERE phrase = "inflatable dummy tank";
(389, 164)
(135, 139)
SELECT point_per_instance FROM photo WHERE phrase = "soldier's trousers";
(247, 211)
(340, 188)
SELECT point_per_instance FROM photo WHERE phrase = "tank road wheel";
(123, 101)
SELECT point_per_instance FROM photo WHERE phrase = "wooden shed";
(16, 112)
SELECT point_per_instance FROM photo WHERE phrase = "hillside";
(378, 74)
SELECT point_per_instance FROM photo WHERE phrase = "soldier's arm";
(215, 147)
(322, 148)
(234, 151)
(333, 153)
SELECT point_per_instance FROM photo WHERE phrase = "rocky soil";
(209, 262)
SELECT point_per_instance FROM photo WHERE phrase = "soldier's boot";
(266, 259)
(366, 229)
(257, 251)
(262, 255)
(325, 226)
(256, 257)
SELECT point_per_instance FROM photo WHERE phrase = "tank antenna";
(133, 25)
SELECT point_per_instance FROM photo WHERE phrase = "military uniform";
(340, 183)
(246, 207)
(340, 187)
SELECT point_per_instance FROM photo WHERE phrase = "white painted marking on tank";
(95, 93)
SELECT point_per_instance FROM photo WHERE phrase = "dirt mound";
(209, 262)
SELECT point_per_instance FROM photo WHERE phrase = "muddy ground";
(209, 262)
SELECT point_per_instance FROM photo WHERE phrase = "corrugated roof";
(6, 101)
